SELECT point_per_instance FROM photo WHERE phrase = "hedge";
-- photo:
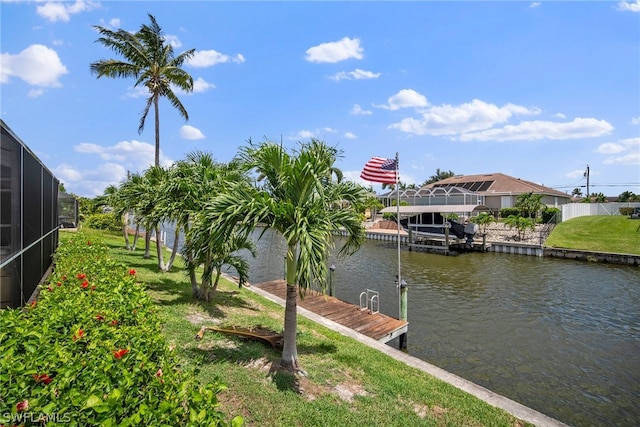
(89, 352)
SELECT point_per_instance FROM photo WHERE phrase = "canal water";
(559, 336)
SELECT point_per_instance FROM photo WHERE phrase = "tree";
(628, 196)
(296, 196)
(439, 176)
(529, 204)
(577, 192)
(150, 60)
(521, 224)
(190, 185)
(483, 219)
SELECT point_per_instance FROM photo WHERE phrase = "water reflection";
(559, 336)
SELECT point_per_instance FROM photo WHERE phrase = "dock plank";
(374, 325)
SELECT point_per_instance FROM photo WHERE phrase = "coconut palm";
(296, 196)
(149, 59)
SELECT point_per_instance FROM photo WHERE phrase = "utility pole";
(586, 174)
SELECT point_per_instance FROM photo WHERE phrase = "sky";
(540, 91)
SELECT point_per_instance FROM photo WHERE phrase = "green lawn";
(616, 234)
(347, 383)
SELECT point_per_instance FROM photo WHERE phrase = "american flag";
(382, 170)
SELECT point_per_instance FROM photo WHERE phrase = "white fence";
(573, 210)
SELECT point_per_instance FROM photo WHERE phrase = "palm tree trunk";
(215, 282)
(174, 250)
(157, 111)
(161, 265)
(125, 231)
(290, 350)
(135, 237)
(147, 243)
(191, 267)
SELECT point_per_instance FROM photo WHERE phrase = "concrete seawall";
(625, 259)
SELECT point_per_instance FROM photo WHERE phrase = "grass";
(347, 383)
(615, 234)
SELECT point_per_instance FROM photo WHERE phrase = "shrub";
(90, 352)
(105, 221)
(549, 214)
(507, 212)
(626, 211)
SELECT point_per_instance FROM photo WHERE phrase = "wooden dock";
(374, 325)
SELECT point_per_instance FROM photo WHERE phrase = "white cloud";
(200, 85)
(631, 148)
(405, 98)
(113, 164)
(535, 4)
(538, 129)
(459, 119)
(134, 155)
(335, 51)
(37, 65)
(190, 132)
(62, 11)
(173, 41)
(303, 134)
(626, 6)
(358, 111)
(350, 135)
(356, 74)
(635, 120)
(576, 173)
(35, 93)
(610, 148)
(209, 58)
(90, 182)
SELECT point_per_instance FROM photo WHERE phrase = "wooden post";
(402, 344)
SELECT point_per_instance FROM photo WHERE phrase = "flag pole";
(402, 286)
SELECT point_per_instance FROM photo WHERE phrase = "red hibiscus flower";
(33, 303)
(99, 317)
(89, 243)
(114, 322)
(159, 373)
(78, 334)
(81, 276)
(93, 287)
(42, 378)
(132, 272)
(85, 284)
(49, 288)
(119, 353)
(64, 277)
(59, 284)
(22, 406)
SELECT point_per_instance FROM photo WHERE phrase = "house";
(493, 190)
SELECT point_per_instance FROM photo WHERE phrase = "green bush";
(507, 212)
(104, 221)
(627, 211)
(90, 352)
(549, 213)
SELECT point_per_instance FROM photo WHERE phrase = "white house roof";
(419, 209)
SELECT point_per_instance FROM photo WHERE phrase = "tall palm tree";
(296, 196)
(149, 59)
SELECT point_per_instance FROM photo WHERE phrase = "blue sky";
(536, 90)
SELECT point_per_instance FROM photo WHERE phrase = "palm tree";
(439, 176)
(150, 60)
(190, 184)
(296, 196)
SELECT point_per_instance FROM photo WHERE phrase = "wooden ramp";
(374, 325)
